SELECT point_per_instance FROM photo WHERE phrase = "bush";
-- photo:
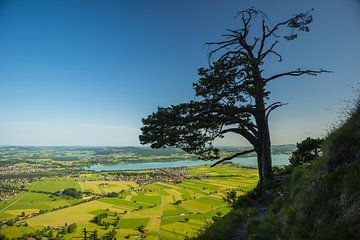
(72, 192)
(98, 218)
(235, 201)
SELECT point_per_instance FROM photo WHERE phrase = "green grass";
(16, 231)
(145, 198)
(222, 228)
(53, 185)
(133, 222)
(121, 203)
(33, 202)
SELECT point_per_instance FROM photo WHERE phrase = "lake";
(278, 160)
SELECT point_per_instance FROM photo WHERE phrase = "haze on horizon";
(84, 73)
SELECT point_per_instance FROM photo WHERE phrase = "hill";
(319, 200)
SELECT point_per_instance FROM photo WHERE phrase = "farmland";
(166, 209)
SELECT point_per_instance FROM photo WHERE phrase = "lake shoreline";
(278, 160)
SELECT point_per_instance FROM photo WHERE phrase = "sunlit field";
(157, 210)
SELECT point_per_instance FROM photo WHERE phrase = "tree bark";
(263, 151)
(263, 138)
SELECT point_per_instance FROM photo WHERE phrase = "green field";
(33, 202)
(105, 186)
(163, 210)
(49, 185)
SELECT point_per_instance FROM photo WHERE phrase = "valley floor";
(157, 210)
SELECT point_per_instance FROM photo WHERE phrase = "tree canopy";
(232, 93)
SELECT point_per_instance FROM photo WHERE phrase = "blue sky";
(86, 72)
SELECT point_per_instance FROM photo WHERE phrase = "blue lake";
(278, 160)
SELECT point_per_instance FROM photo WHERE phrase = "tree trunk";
(263, 148)
(266, 157)
(260, 171)
(263, 151)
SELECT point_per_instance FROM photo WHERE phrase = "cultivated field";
(105, 186)
(51, 185)
(158, 210)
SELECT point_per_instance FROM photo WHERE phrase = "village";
(167, 175)
(14, 169)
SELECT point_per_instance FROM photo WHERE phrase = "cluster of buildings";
(19, 169)
(158, 175)
(9, 187)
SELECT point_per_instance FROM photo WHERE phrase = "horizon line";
(121, 146)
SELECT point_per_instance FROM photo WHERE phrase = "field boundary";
(2, 210)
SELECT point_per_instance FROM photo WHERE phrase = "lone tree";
(232, 94)
(307, 151)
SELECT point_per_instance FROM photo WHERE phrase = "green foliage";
(141, 228)
(72, 192)
(236, 201)
(98, 219)
(71, 228)
(231, 198)
(223, 227)
(112, 194)
(110, 235)
(306, 151)
(94, 235)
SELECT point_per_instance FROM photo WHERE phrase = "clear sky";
(85, 72)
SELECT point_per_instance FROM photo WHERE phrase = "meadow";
(157, 210)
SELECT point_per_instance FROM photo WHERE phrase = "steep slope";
(322, 200)
(315, 201)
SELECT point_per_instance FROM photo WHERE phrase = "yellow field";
(105, 186)
(79, 214)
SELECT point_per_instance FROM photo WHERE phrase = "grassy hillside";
(315, 201)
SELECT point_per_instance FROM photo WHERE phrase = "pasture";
(51, 185)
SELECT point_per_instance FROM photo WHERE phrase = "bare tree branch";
(297, 73)
(270, 50)
(262, 43)
(272, 107)
(243, 132)
(231, 157)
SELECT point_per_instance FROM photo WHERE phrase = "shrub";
(222, 228)
(72, 192)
